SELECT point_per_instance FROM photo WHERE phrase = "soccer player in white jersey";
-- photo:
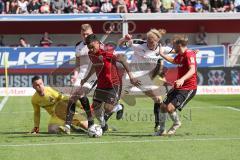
(147, 53)
(81, 69)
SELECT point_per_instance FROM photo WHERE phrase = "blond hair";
(85, 27)
(180, 39)
(156, 33)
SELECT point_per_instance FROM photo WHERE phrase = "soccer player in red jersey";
(82, 64)
(108, 80)
(185, 86)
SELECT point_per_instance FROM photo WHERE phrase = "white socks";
(117, 108)
(175, 118)
(67, 126)
(99, 113)
(162, 117)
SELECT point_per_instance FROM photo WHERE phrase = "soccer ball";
(95, 131)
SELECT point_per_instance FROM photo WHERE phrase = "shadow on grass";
(16, 135)
(128, 134)
(42, 134)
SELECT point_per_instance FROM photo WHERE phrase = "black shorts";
(179, 98)
(107, 95)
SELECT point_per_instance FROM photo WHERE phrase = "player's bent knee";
(170, 108)
(108, 107)
(53, 128)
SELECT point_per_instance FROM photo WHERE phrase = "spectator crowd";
(201, 38)
(116, 6)
(22, 42)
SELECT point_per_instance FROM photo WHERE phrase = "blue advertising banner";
(53, 57)
(211, 56)
(62, 17)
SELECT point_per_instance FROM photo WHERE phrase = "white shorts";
(86, 85)
(147, 85)
(146, 81)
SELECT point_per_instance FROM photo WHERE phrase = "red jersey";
(106, 70)
(184, 61)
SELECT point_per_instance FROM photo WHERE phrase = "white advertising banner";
(202, 90)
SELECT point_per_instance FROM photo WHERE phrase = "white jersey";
(142, 54)
(81, 51)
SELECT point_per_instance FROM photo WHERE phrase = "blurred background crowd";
(200, 38)
(116, 6)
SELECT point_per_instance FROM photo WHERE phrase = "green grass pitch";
(210, 131)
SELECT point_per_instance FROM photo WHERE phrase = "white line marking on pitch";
(142, 109)
(4, 101)
(114, 142)
(196, 107)
(233, 108)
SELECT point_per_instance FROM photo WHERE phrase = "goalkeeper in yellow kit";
(55, 104)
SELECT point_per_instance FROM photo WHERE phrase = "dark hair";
(35, 78)
(90, 38)
(21, 38)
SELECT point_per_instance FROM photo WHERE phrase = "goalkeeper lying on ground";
(55, 104)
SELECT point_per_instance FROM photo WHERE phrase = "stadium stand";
(116, 6)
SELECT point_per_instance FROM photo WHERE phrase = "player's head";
(180, 42)
(38, 85)
(153, 37)
(86, 30)
(93, 43)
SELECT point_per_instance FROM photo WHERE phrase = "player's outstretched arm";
(127, 38)
(188, 75)
(36, 117)
(107, 33)
(166, 57)
(196, 51)
(174, 52)
(122, 59)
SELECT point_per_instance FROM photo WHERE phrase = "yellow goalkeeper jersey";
(48, 102)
